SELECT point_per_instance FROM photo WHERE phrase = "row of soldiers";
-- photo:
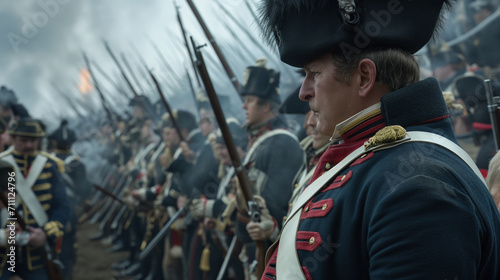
(42, 183)
(190, 168)
(179, 176)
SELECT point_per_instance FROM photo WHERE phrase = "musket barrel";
(493, 111)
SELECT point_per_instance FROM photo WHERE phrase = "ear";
(367, 73)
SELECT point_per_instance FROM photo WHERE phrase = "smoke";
(42, 43)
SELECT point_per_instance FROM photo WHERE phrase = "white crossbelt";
(24, 185)
(288, 264)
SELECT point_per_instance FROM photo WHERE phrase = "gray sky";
(41, 44)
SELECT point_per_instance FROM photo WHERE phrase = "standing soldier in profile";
(42, 199)
(314, 144)
(273, 157)
(397, 198)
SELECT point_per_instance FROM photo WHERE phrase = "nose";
(311, 120)
(307, 89)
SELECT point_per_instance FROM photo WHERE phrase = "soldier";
(77, 190)
(274, 154)
(215, 209)
(380, 201)
(314, 144)
(483, 51)
(43, 201)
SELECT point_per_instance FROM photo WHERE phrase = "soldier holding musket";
(272, 159)
(397, 198)
(43, 202)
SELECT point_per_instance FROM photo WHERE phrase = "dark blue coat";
(414, 211)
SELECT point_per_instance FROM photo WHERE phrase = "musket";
(127, 65)
(104, 181)
(183, 31)
(167, 66)
(110, 194)
(167, 106)
(226, 259)
(112, 211)
(121, 69)
(68, 100)
(254, 211)
(111, 81)
(116, 188)
(53, 271)
(494, 111)
(161, 234)
(98, 89)
(217, 50)
(144, 71)
(193, 92)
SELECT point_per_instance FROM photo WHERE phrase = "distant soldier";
(43, 202)
(314, 144)
(484, 48)
(274, 154)
(77, 190)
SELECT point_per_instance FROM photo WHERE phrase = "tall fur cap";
(305, 29)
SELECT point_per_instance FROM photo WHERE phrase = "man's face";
(310, 122)
(331, 101)
(254, 113)
(26, 145)
(137, 112)
(170, 136)
(5, 113)
(206, 126)
(223, 153)
(146, 130)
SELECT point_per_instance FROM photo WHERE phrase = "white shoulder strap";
(288, 265)
(263, 137)
(24, 185)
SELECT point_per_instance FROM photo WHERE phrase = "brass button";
(306, 209)
(324, 207)
(343, 177)
(311, 241)
(284, 219)
(296, 185)
(328, 166)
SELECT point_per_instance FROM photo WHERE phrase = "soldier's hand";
(37, 237)
(163, 161)
(260, 231)
(181, 201)
(187, 152)
(139, 194)
(209, 223)
(201, 207)
(267, 228)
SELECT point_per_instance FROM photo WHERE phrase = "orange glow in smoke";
(85, 85)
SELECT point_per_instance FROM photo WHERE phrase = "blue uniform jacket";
(414, 211)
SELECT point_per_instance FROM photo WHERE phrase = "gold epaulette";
(59, 162)
(386, 135)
